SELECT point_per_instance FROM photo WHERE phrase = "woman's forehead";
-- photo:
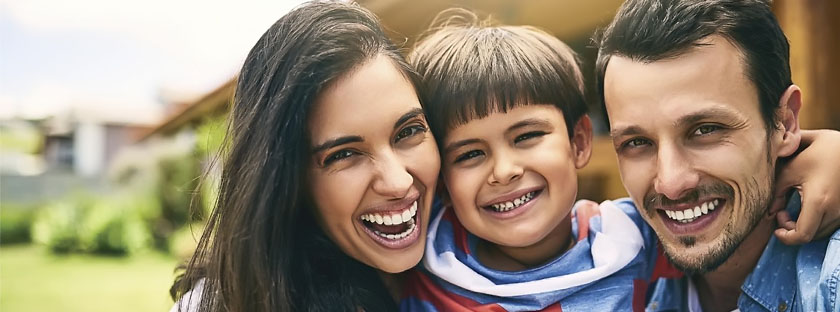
(368, 100)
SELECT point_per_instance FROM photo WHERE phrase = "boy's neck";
(719, 290)
(506, 258)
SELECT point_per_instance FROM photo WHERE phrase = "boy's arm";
(814, 172)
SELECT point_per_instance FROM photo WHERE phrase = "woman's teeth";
(392, 219)
(508, 205)
(404, 218)
(691, 214)
(403, 234)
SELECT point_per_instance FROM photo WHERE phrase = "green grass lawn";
(31, 279)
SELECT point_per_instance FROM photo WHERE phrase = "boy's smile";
(511, 176)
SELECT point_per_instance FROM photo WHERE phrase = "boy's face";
(511, 176)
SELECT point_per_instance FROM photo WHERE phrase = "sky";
(125, 55)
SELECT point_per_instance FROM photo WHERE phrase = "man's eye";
(409, 131)
(636, 142)
(529, 135)
(706, 129)
(342, 154)
(468, 155)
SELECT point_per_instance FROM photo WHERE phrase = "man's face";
(693, 150)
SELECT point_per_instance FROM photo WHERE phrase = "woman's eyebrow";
(405, 117)
(336, 142)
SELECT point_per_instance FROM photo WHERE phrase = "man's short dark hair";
(652, 30)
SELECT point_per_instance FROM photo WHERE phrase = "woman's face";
(374, 166)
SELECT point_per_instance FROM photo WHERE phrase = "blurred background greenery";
(113, 248)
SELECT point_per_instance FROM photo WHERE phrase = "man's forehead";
(708, 76)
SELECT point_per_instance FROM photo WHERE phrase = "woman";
(329, 174)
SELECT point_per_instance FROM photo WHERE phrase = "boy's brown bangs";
(472, 72)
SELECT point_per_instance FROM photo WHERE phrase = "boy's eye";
(409, 131)
(705, 129)
(337, 156)
(529, 135)
(469, 155)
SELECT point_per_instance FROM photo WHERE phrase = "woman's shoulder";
(190, 301)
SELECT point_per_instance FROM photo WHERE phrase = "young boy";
(506, 105)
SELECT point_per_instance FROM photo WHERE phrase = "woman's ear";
(581, 141)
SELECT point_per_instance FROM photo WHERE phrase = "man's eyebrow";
(625, 131)
(529, 122)
(405, 117)
(336, 142)
(455, 145)
(706, 114)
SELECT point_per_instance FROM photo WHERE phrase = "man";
(701, 108)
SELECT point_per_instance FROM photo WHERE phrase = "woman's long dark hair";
(262, 249)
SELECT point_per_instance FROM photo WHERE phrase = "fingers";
(806, 227)
(784, 221)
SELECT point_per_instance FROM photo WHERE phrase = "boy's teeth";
(691, 214)
(394, 218)
(508, 205)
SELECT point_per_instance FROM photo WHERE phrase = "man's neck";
(719, 290)
(506, 258)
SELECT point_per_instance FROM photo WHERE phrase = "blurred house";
(76, 148)
(811, 27)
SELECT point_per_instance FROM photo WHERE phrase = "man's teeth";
(393, 218)
(691, 214)
(508, 205)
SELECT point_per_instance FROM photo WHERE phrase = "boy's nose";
(505, 169)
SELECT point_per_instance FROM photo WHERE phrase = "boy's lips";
(513, 204)
(511, 196)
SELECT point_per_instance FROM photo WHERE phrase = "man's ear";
(788, 121)
(582, 141)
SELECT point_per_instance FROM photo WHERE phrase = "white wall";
(89, 149)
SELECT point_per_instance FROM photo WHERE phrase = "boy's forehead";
(499, 121)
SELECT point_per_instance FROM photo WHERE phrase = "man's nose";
(675, 175)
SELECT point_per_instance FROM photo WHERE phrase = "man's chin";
(691, 258)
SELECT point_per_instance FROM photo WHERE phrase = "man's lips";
(685, 213)
(685, 220)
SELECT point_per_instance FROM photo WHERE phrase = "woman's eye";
(706, 129)
(409, 131)
(468, 155)
(342, 154)
(528, 135)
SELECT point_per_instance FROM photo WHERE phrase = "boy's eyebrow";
(529, 122)
(455, 145)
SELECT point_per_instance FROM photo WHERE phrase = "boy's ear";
(442, 193)
(788, 121)
(582, 141)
